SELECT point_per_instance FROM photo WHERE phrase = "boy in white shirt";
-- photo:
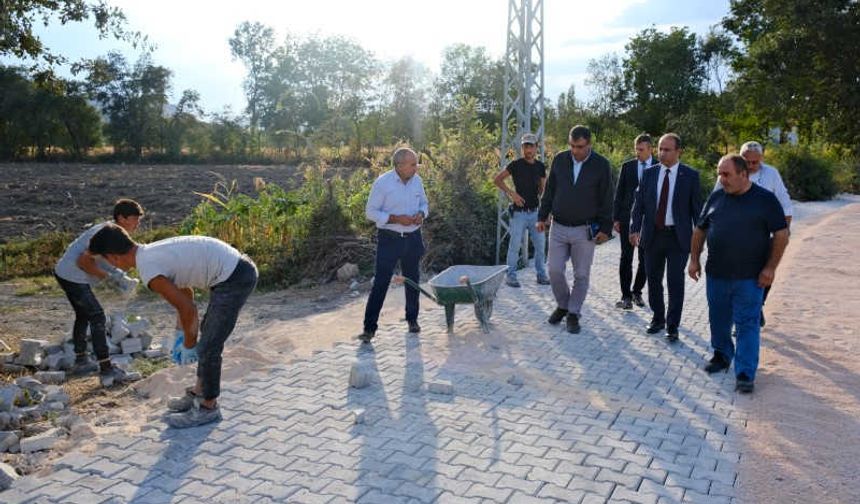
(172, 268)
(76, 272)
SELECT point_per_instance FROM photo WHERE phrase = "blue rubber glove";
(180, 354)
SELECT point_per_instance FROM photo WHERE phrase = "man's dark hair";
(643, 137)
(739, 162)
(111, 239)
(674, 136)
(580, 132)
(126, 208)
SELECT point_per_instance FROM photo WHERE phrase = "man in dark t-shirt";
(529, 175)
(737, 222)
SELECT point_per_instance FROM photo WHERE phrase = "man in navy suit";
(665, 209)
(628, 181)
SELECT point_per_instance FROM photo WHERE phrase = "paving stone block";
(131, 345)
(43, 441)
(443, 387)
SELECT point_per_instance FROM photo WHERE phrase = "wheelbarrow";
(465, 285)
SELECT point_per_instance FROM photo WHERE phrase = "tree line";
(786, 63)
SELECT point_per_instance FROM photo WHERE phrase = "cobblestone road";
(536, 415)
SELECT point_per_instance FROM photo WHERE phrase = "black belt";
(524, 209)
(397, 234)
(568, 223)
(667, 229)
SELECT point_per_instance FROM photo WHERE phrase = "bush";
(808, 176)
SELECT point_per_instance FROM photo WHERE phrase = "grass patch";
(38, 286)
(148, 367)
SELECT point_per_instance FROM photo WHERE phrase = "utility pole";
(523, 110)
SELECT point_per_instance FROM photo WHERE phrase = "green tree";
(254, 44)
(469, 72)
(406, 86)
(663, 77)
(182, 122)
(800, 63)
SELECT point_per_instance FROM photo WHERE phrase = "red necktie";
(664, 202)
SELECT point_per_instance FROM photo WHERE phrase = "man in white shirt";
(76, 272)
(398, 205)
(173, 268)
(766, 177)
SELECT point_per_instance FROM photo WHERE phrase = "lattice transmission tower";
(523, 108)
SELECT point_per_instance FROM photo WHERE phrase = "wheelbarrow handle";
(417, 287)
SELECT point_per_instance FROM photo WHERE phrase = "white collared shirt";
(673, 176)
(577, 165)
(640, 168)
(767, 177)
(391, 196)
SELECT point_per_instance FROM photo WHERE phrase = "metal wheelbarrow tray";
(465, 284)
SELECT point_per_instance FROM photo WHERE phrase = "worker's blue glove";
(180, 354)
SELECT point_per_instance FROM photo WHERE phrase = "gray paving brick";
(486, 492)
(551, 491)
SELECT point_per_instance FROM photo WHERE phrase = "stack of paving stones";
(526, 414)
(127, 340)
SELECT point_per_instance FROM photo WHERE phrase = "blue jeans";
(391, 249)
(736, 302)
(519, 223)
(225, 301)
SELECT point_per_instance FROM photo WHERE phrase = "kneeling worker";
(172, 268)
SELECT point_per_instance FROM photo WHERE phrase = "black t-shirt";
(739, 229)
(527, 180)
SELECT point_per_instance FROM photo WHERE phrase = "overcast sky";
(191, 35)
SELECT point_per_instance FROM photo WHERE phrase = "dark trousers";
(391, 248)
(664, 255)
(88, 312)
(625, 266)
(225, 301)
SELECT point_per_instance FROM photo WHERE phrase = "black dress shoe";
(557, 316)
(672, 334)
(625, 304)
(718, 363)
(413, 326)
(743, 384)
(638, 301)
(573, 323)
(366, 336)
(655, 327)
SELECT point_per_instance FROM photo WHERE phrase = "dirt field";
(48, 197)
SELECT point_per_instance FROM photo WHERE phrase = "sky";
(191, 36)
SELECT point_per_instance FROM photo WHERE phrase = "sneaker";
(557, 316)
(184, 403)
(413, 326)
(195, 416)
(543, 280)
(512, 282)
(625, 304)
(638, 301)
(573, 323)
(115, 376)
(718, 363)
(743, 384)
(84, 365)
(366, 336)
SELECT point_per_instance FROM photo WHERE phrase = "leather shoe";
(718, 363)
(638, 301)
(557, 316)
(743, 384)
(366, 336)
(672, 334)
(573, 323)
(512, 282)
(413, 326)
(655, 327)
(542, 280)
(625, 304)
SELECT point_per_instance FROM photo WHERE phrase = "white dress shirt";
(673, 176)
(577, 165)
(767, 177)
(641, 168)
(391, 196)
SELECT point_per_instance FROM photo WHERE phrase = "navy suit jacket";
(686, 206)
(625, 190)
